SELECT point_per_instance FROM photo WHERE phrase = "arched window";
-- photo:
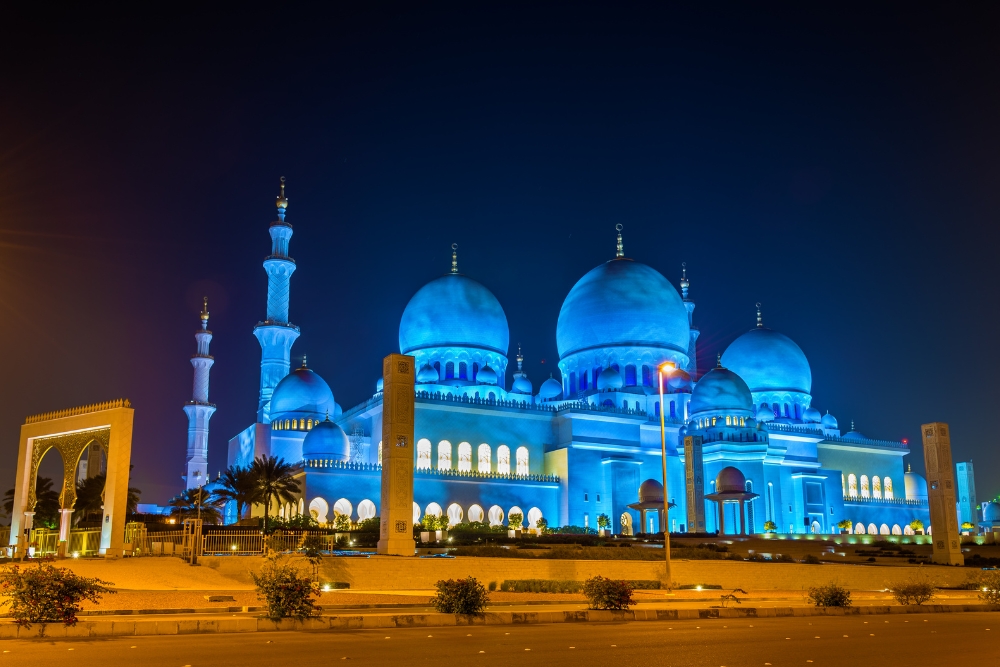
(872, 529)
(366, 510)
(798, 411)
(515, 510)
(449, 370)
(475, 371)
(380, 452)
(673, 410)
(907, 530)
(770, 502)
(852, 486)
(288, 424)
(572, 384)
(656, 408)
(750, 522)
(864, 487)
(463, 371)
(534, 514)
(787, 411)
(645, 375)
(444, 455)
(630, 375)
(896, 530)
(423, 454)
(433, 510)
(437, 367)
(503, 460)
(887, 488)
(883, 529)
(859, 528)
(454, 514)
(464, 457)
(777, 411)
(485, 454)
(624, 405)
(583, 381)
(843, 484)
(416, 513)
(877, 489)
(319, 509)
(476, 513)
(496, 516)
(522, 460)
(729, 420)
(343, 508)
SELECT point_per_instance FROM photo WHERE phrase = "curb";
(365, 622)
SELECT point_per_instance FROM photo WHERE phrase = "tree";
(274, 480)
(237, 485)
(46, 507)
(845, 524)
(916, 525)
(185, 505)
(514, 520)
(603, 521)
(770, 527)
(90, 498)
(967, 525)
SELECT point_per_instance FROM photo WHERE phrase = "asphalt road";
(931, 639)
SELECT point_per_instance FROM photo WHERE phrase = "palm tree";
(46, 505)
(90, 497)
(274, 482)
(239, 485)
(186, 506)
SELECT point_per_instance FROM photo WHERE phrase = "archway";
(626, 523)
(319, 509)
(366, 510)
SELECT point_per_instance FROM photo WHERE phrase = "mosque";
(583, 444)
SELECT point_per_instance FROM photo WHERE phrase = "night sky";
(836, 164)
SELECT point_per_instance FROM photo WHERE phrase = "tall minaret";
(276, 334)
(692, 368)
(198, 409)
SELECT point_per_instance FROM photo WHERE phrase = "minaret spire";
(693, 333)
(454, 258)
(276, 334)
(620, 252)
(760, 320)
(520, 358)
(718, 360)
(685, 283)
(198, 409)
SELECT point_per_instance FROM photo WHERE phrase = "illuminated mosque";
(491, 442)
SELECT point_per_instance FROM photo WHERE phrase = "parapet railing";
(434, 472)
(885, 501)
(793, 428)
(867, 441)
(82, 410)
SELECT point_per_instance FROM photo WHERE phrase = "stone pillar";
(743, 520)
(65, 521)
(941, 494)
(722, 518)
(694, 473)
(396, 537)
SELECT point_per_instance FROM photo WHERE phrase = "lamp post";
(665, 368)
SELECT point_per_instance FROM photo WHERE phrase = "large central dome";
(769, 361)
(453, 311)
(622, 303)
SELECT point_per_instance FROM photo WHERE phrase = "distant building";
(965, 480)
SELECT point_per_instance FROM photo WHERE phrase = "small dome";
(730, 480)
(992, 512)
(764, 414)
(486, 375)
(720, 389)
(751, 422)
(650, 491)
(915, 486)
(550, 389)
(855, 436)
(522, 385)
(769, 361)
(829, 421)
(679, 380)
(609, 379)
(427, 375)
(326, 440)
(302, 392)
(453, 311)
(812, 416)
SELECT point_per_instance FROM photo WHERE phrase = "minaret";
(276, 334)
(198, 409)
(692, 368)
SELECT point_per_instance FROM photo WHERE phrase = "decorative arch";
(877, 488)
(433, 509)
(366, 510)
(503, 460)
(872, 529)
(444, 455)
(859, 528)
(416, 513)
(319, 509)
(896, 530)
(626, 523)
(423, 454)
(887, 488)
(343, 507)
(907, 530)
(476, 513)
(522, 461)
(455, 514)
(534, 514)
(852, 486)
(496, 516)
(865, 492)
(883, 529)
(464, 457)
(515, 510)
(485, 458)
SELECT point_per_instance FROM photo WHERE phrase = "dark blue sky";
(837, 163)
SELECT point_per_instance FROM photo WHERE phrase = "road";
(919, 640)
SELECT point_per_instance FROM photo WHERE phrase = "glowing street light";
(664, 369)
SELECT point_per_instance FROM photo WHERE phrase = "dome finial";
(718, 360)
(304, 365)
(620, 252)
(204, 314)
(909, 468)
(852, 424)
(327, 415)
(454, 258)
(520, 358)
(760, 320)
(282, 202)
(685, 283)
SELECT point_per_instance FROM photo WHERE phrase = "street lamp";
(664, 369)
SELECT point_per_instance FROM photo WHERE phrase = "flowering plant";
(285, 591)
(47, 594)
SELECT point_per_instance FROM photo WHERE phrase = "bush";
(831, 595)
(493, 586)
(284, 590)
(811, 560)
(913, 591)
(47, 594)
(341, 523)
(371, 525)
(989, 586)
(540, 586)
(460, 596)
(514, 520)
(608, 593)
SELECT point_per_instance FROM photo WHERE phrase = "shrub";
(313, 547)
(341, 522)
(542, 525)
(913, 591)
(783, 558)
(831, 595)
(514, 520)
(47, 594)
(460, 596)
(608, 593)
(603, 521)
(989, 586)
(284, 590)
(493, 586)
(540, 586)
(371, 525)
(811, 560)
(845, 524)
(917, 525)
(770, 527)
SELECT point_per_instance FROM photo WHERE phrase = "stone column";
(65, 519)
(694, 471)
(941, 494)
(396, 537)
(642, 521)
(722, 518)
(743, 519)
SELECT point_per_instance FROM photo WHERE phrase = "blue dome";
(522, 385)
(915, 487)
(829, 421)
(622, 303)
(720, 389)
(764, 414)
(486, 375)
(992, 512)
(326, 440)
(769, 361)
(812, 416)
(453, 311)
(427, 375)
(855, 436)
(679, 380)
(610, 379)
(304, 393)
(550, 389)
